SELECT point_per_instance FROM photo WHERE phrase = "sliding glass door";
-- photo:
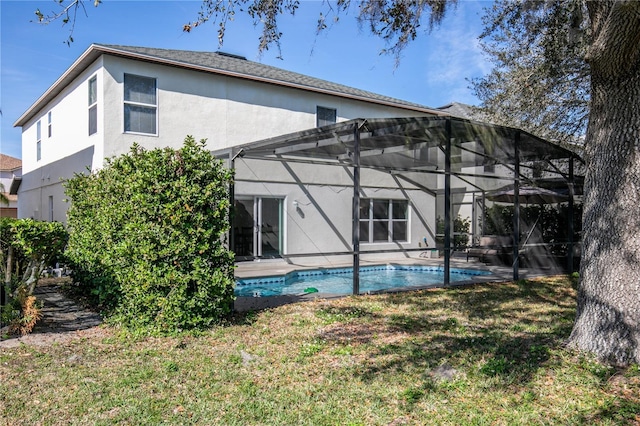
(258, 227)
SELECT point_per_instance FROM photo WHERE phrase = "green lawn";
(485, 354)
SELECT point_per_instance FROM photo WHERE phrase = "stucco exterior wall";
(227, 111)
(6, 176)
(318, 204)
(70, 149)
(47, 181)
(70, 132)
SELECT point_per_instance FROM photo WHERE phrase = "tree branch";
(68, 14)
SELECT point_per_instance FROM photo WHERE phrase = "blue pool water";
(340, 280)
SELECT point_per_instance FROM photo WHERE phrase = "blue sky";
(434, 69)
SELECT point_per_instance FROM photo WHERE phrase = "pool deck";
(273, 267)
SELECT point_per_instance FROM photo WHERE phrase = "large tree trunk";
(608, 314)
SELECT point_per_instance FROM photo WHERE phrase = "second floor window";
(325, 116)
(38, 140)
(140, 104)
(49, 124)
(93, 105)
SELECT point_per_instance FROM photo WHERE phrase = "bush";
(461, 228)
(147, 237)
(27, 247)
(24, 318)
(551, 220)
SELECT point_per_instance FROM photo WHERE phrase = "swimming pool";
(340, 280)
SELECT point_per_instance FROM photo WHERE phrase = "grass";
(486, 354)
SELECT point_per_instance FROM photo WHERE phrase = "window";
(325, 116)
(38, 140)
(140, 104)
(93, 105)
(49, 124)
(383, 221)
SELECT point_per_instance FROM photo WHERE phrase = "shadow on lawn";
(614, 411)
(504, 331)
(509, 359)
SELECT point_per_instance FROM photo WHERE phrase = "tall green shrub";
(147, 237)
(28, 246)
(551, 221)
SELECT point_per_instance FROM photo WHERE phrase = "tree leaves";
(35, 245)
(396, 21)
(67, 14)
(148, 233)
(540, 81)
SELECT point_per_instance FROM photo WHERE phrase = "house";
(10, 177)
(112, 96)
(259, 117)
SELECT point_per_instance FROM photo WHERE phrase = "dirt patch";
(62, 319)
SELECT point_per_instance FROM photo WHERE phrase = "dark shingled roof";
(461, 110)
(219, 61)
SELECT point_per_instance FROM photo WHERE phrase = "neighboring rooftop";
(9, 163)
(216, 63)
(460, 110)
(12, 198)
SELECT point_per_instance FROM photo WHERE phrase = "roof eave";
(15, 185)
(88, 56)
